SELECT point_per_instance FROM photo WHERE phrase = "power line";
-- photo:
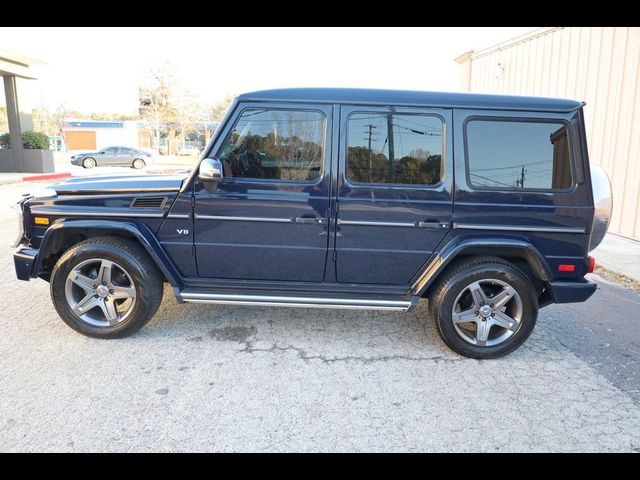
(514, 166)
(419, 132)
(491, 180)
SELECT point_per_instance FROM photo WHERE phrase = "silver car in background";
(113, 157)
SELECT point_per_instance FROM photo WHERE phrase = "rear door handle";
(308, 220)
(432, 225)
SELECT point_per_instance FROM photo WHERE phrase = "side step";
(200, 296)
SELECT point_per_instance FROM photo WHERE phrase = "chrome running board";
(287, 301)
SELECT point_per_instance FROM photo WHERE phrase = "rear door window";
(394, 148)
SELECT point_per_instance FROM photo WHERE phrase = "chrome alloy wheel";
(487, 312)
(100, 292)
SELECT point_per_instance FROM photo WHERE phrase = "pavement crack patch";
(232, 333)
(303, 355)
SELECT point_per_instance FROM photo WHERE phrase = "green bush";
(31, 140)
(35, 140)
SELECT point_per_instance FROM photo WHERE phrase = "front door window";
(275, 145)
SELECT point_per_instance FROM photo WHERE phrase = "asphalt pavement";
(233, 378)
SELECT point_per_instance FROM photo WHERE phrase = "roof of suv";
(414, 98)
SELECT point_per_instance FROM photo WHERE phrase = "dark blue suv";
(339, 198)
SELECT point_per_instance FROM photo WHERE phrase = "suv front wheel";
(106, 287)
(484, 307)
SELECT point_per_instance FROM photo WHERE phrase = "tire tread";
(115, 245)
(442, 286)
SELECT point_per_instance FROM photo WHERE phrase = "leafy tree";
(365, 165)
(219, 109)
(417, 168)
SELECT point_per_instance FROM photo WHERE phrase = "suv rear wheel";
(106, 287)
(484, 307)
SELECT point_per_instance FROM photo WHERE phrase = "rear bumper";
(24, 259)
(572, 292)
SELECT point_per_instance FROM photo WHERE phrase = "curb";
(45, 176)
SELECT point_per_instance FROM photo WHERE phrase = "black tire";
(456, 279)
(146, 277)
(138, 163)
(89, 162)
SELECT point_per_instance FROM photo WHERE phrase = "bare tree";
(186, 109)
(156, 105)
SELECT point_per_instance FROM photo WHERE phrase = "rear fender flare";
(481, 246)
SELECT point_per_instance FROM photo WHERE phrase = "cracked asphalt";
(233, 378)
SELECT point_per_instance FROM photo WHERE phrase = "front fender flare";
(138, 230)
(479, 245)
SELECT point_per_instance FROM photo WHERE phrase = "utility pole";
(371, 127)
(520, 181)
(392, 172)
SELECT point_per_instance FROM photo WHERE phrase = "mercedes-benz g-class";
(341, 198)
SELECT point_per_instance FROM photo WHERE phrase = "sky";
(98, 69)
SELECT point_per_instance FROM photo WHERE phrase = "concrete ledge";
(33, 161)
(37, 161)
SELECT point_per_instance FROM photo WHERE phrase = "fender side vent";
(148, 202)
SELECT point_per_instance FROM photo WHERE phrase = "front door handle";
(308, 220)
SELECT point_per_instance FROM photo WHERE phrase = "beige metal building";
(599, 65)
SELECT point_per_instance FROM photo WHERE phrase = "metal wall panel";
(600, 65)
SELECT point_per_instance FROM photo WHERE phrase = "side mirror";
(210, 173)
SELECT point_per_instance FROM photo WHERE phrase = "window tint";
(394, 148)
(275, 144)
(111, 150)
(518, 155)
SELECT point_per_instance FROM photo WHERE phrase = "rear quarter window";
(518, 155)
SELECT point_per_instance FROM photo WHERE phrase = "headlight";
(18, 208)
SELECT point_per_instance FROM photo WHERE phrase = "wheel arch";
(520, 252)
(63, 234)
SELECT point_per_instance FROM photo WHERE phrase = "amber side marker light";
(41, 220)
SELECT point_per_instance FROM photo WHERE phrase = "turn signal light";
(592, 264)
(566, 268)
(41, 220)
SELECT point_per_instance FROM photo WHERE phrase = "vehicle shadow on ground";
(313, 333)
